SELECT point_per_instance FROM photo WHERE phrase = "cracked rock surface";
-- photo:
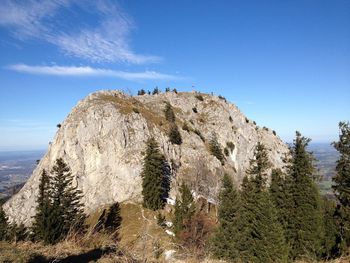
(104, 137)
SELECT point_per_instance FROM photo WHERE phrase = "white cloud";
(105, 41)
(89, 71)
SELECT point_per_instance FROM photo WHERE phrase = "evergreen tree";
(16, 232)
(43, 209)
(260, 237)
(67, 210)
(169, 113)
(4, 225)
(141, 92)
(174, 135)
(223, 242)
(155, 177)
(341, 185)
(215, 149)
(282, 199)
(331, 230)
(305, 220)
(155, 91)
(184, 208)
(113, 220)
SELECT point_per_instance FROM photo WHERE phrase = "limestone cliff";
(103, 140)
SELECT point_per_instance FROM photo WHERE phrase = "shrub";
(230, 119)
(167, 90)
(226, 152)
(185, 127)
(215, 149)
(58, 125)
(199, 97)
(246, 120)
(136, 110)
(265, 128)
(274, 132)
(175, 91)
(195, 235)
(222, 98)
(161, 220)
(174, 135)
(156, 91)
(254, 122)
(194, 109)
(196, 131)
(169, 113)
(230, 145)
(141, 92)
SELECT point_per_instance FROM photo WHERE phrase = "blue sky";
(286, 64)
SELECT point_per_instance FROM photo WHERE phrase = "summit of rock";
(104, 137)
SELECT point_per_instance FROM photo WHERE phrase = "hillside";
(103, 139)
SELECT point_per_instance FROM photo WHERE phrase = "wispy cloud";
(105, 41)
(89, 71)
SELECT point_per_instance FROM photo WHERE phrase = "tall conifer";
(4, 225)
(341, 185)
(260, 237)
(67, 210)
(155, 177)
(223, 242)
(43, 209)
(306, 219)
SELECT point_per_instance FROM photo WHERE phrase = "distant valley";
(15, 169)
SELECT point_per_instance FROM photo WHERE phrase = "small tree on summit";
(155, 177)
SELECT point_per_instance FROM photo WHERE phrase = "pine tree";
(67, 210)
(215, 149)
(43, 209)
(169, 113)
(184, 208)
(155, 177)
(341, 185)
(260, 237)
(282, 199)
(306, 220)
(17, 233)
(156, 91)
(331, 230)
(113, 220)
(4, 225)
(141, 92)
(223, 242)
(174, 135)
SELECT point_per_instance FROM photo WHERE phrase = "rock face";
(103, 140)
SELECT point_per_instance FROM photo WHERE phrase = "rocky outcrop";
(103, 140)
